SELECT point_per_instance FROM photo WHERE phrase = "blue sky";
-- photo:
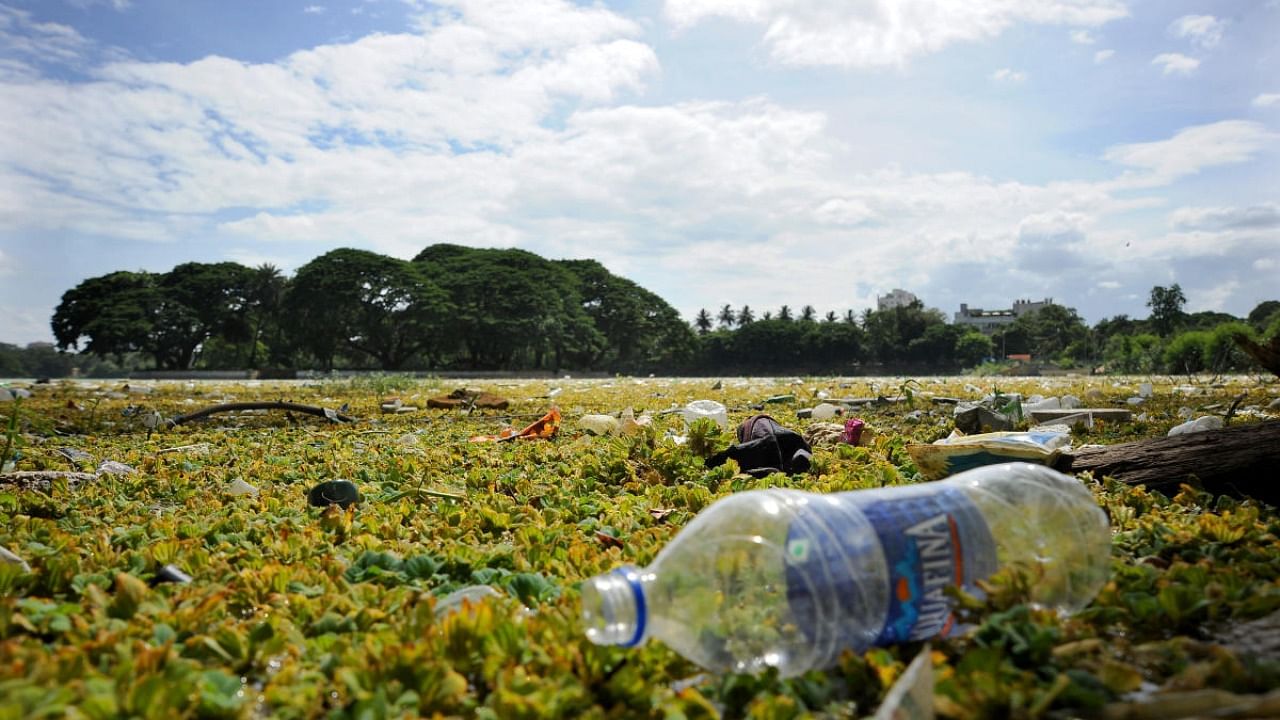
(716, 151)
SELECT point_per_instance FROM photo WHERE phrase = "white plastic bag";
(709, 409)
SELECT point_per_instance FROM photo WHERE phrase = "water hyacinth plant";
(370, 608)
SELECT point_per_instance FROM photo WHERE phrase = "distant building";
(895, 298)
(988, 321)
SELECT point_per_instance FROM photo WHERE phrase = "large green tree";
(1166, 308)
(1056, 330)
(168, 316)
(972, 347)
(640, 330)
(890, 332)
(112, 315)
(1262, 313)
(365, 306)
(834, 346)
(511, 308)
(266, 293)
(199, 301)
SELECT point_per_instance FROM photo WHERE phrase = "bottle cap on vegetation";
(334, 492)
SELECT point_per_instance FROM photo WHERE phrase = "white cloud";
(1102, 56)
(1265, 264)
(314, 9)
(884, 33)
(215, 133)
(1053, 224)
(117, 5)
(1254, 217)
(19, 325)
(6, 265)
(22, 35)
(1109, 284)
(1191, 150)
(844, 211)
(1176, 63)
(1212, 298)
(1008, 75)
(1266, 99)
(509, 125)
(1083, 37)
(1202, 30)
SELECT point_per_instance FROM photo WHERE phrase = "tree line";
(913, 338)
(459, 308)
(450, 307)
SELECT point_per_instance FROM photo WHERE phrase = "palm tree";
(726, 317)
(807, 313)
(745, 315)
(830, 316)
(266, 289)
(850, 317)
(703, 322)
(768, 315)
(784, 313)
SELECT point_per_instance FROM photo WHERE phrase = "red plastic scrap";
(542, 429)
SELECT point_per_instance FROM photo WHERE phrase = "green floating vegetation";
(296, 611)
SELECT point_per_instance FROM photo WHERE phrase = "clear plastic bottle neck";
(614, 609)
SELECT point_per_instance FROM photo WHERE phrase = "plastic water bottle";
(790, 579)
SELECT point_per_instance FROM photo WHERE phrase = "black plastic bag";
(766, 447)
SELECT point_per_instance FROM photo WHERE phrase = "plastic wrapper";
(963, 452)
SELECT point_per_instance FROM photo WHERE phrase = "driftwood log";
(1241, 461)
(332, 415)
(43, 480)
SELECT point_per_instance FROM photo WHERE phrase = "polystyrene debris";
(1200, 424)
(599, 424)
(9, 557)
(111, 467)
(825, 411)
(239, 487)
(709, 409)
(472, 594)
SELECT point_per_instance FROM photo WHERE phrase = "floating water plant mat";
(450, 587)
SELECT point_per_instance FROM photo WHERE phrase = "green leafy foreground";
(297, 611)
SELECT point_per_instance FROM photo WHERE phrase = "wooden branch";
(42, 480)
(1240, 461)
(1268, 356)
(232, 407)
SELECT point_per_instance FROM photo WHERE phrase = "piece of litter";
(172, 574)
(239, 487)
(911, 697)
(708, 409)
(334, 492)
(471, 595)
(75, 455)
(600, 424)
(111, 467)
(9, 557)
(1200, 424)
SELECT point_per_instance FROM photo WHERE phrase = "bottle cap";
(614, 609)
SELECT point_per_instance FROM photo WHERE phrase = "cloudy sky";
(715, 151)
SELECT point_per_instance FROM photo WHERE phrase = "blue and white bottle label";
(931, 537)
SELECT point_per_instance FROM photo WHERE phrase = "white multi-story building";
(988, 321)
(896, 298)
